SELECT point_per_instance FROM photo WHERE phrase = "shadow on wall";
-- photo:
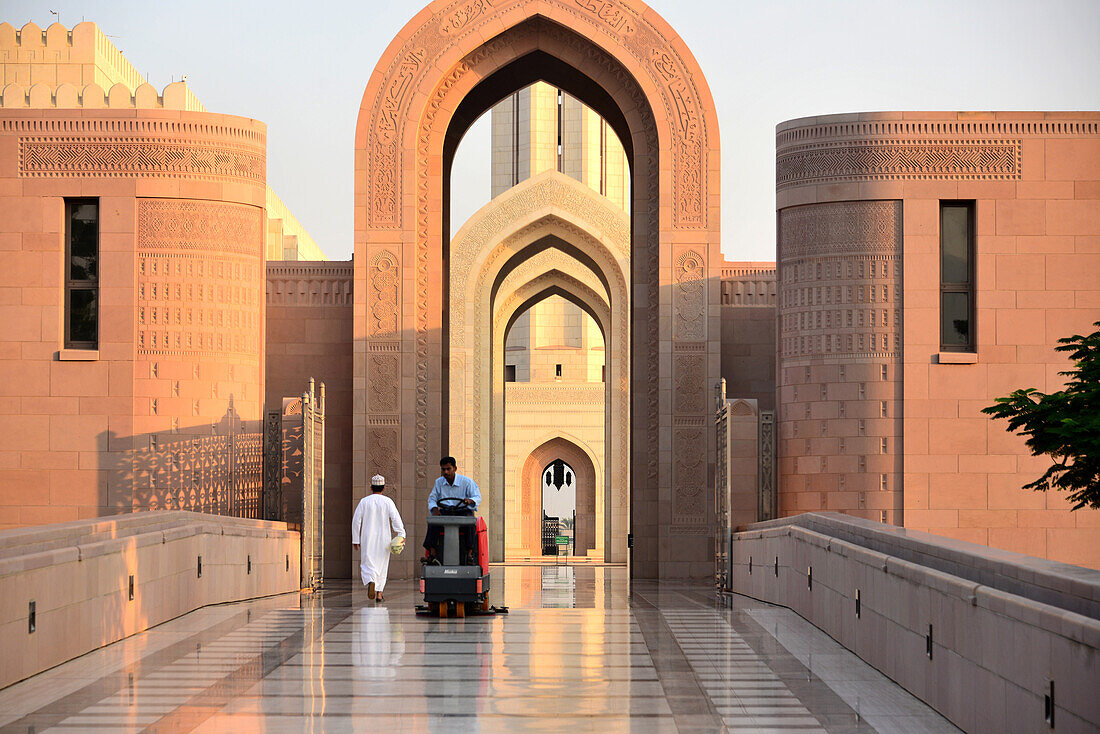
(215, 468)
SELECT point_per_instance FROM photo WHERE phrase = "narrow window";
(957, 276)
(560, 123)
(557, 370)
(509, 373)
(82, 274)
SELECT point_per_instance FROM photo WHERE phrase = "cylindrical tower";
(839, 343)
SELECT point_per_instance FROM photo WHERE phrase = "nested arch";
(564, 269)
(548, 232)
(611, 516)
(449, 64)
(545, 220)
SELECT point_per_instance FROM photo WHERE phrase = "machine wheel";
(460, 609)
(485, 603)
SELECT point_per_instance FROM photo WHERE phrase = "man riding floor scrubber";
(452, 588)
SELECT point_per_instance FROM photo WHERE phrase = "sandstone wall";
(866, 395)
(748, 331)
(309, 334)
(166, 412)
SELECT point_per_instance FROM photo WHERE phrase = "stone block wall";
(748, 331)
(166, 412)
(309, 334)
(862, 337)
(571, 415)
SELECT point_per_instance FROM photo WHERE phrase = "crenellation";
(176, 96)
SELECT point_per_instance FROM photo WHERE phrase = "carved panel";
(766, 500)
(383, 297)
(689, 297)
(384, 456)
(113, 157)
(740, 407)
(988, 160)
(840, 289)
(199, 279)
(385, 383)
(188, 224)
(689, 472)
(690, 394)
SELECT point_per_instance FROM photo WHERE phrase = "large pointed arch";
(449, 64)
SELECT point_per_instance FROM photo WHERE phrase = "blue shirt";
(463, 488)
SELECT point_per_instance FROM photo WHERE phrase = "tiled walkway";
(580, 651)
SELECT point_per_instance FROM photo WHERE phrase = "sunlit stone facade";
(598, 255)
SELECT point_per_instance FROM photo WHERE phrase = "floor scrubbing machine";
(457, 586)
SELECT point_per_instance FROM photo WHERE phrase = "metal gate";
(722, 530)
(313, 486)
(294, 475)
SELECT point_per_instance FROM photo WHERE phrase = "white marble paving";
(582, 650)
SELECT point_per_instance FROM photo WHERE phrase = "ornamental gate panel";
(313, 486)
(722, 530)
(294, 474)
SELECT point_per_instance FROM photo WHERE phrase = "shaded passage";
(581, 650)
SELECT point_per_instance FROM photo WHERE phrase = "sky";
(302, 67)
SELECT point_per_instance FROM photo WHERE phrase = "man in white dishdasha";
(373, 527)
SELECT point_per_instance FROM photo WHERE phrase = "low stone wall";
(94, 582)
(987, 659)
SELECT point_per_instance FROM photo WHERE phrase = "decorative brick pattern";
(840, 280)
(199, 279)
(839, 425)
(877, 160)
(61, 157)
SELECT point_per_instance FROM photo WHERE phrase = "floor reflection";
(376, 647)
(582, 650)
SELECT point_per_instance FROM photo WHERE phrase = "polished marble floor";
(581, 650)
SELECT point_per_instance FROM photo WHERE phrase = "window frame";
(81, 285)
(969, 287)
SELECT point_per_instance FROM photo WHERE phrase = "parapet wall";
(986, 658)
(176, 96)
(94, 582)
(63, 68)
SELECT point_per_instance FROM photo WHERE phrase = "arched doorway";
(559, 509)
(443, 70)
(588, 487)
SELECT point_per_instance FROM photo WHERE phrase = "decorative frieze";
(113, 157)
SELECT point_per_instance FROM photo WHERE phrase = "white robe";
(375, 523)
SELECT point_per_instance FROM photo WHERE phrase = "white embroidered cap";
(378, 481)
